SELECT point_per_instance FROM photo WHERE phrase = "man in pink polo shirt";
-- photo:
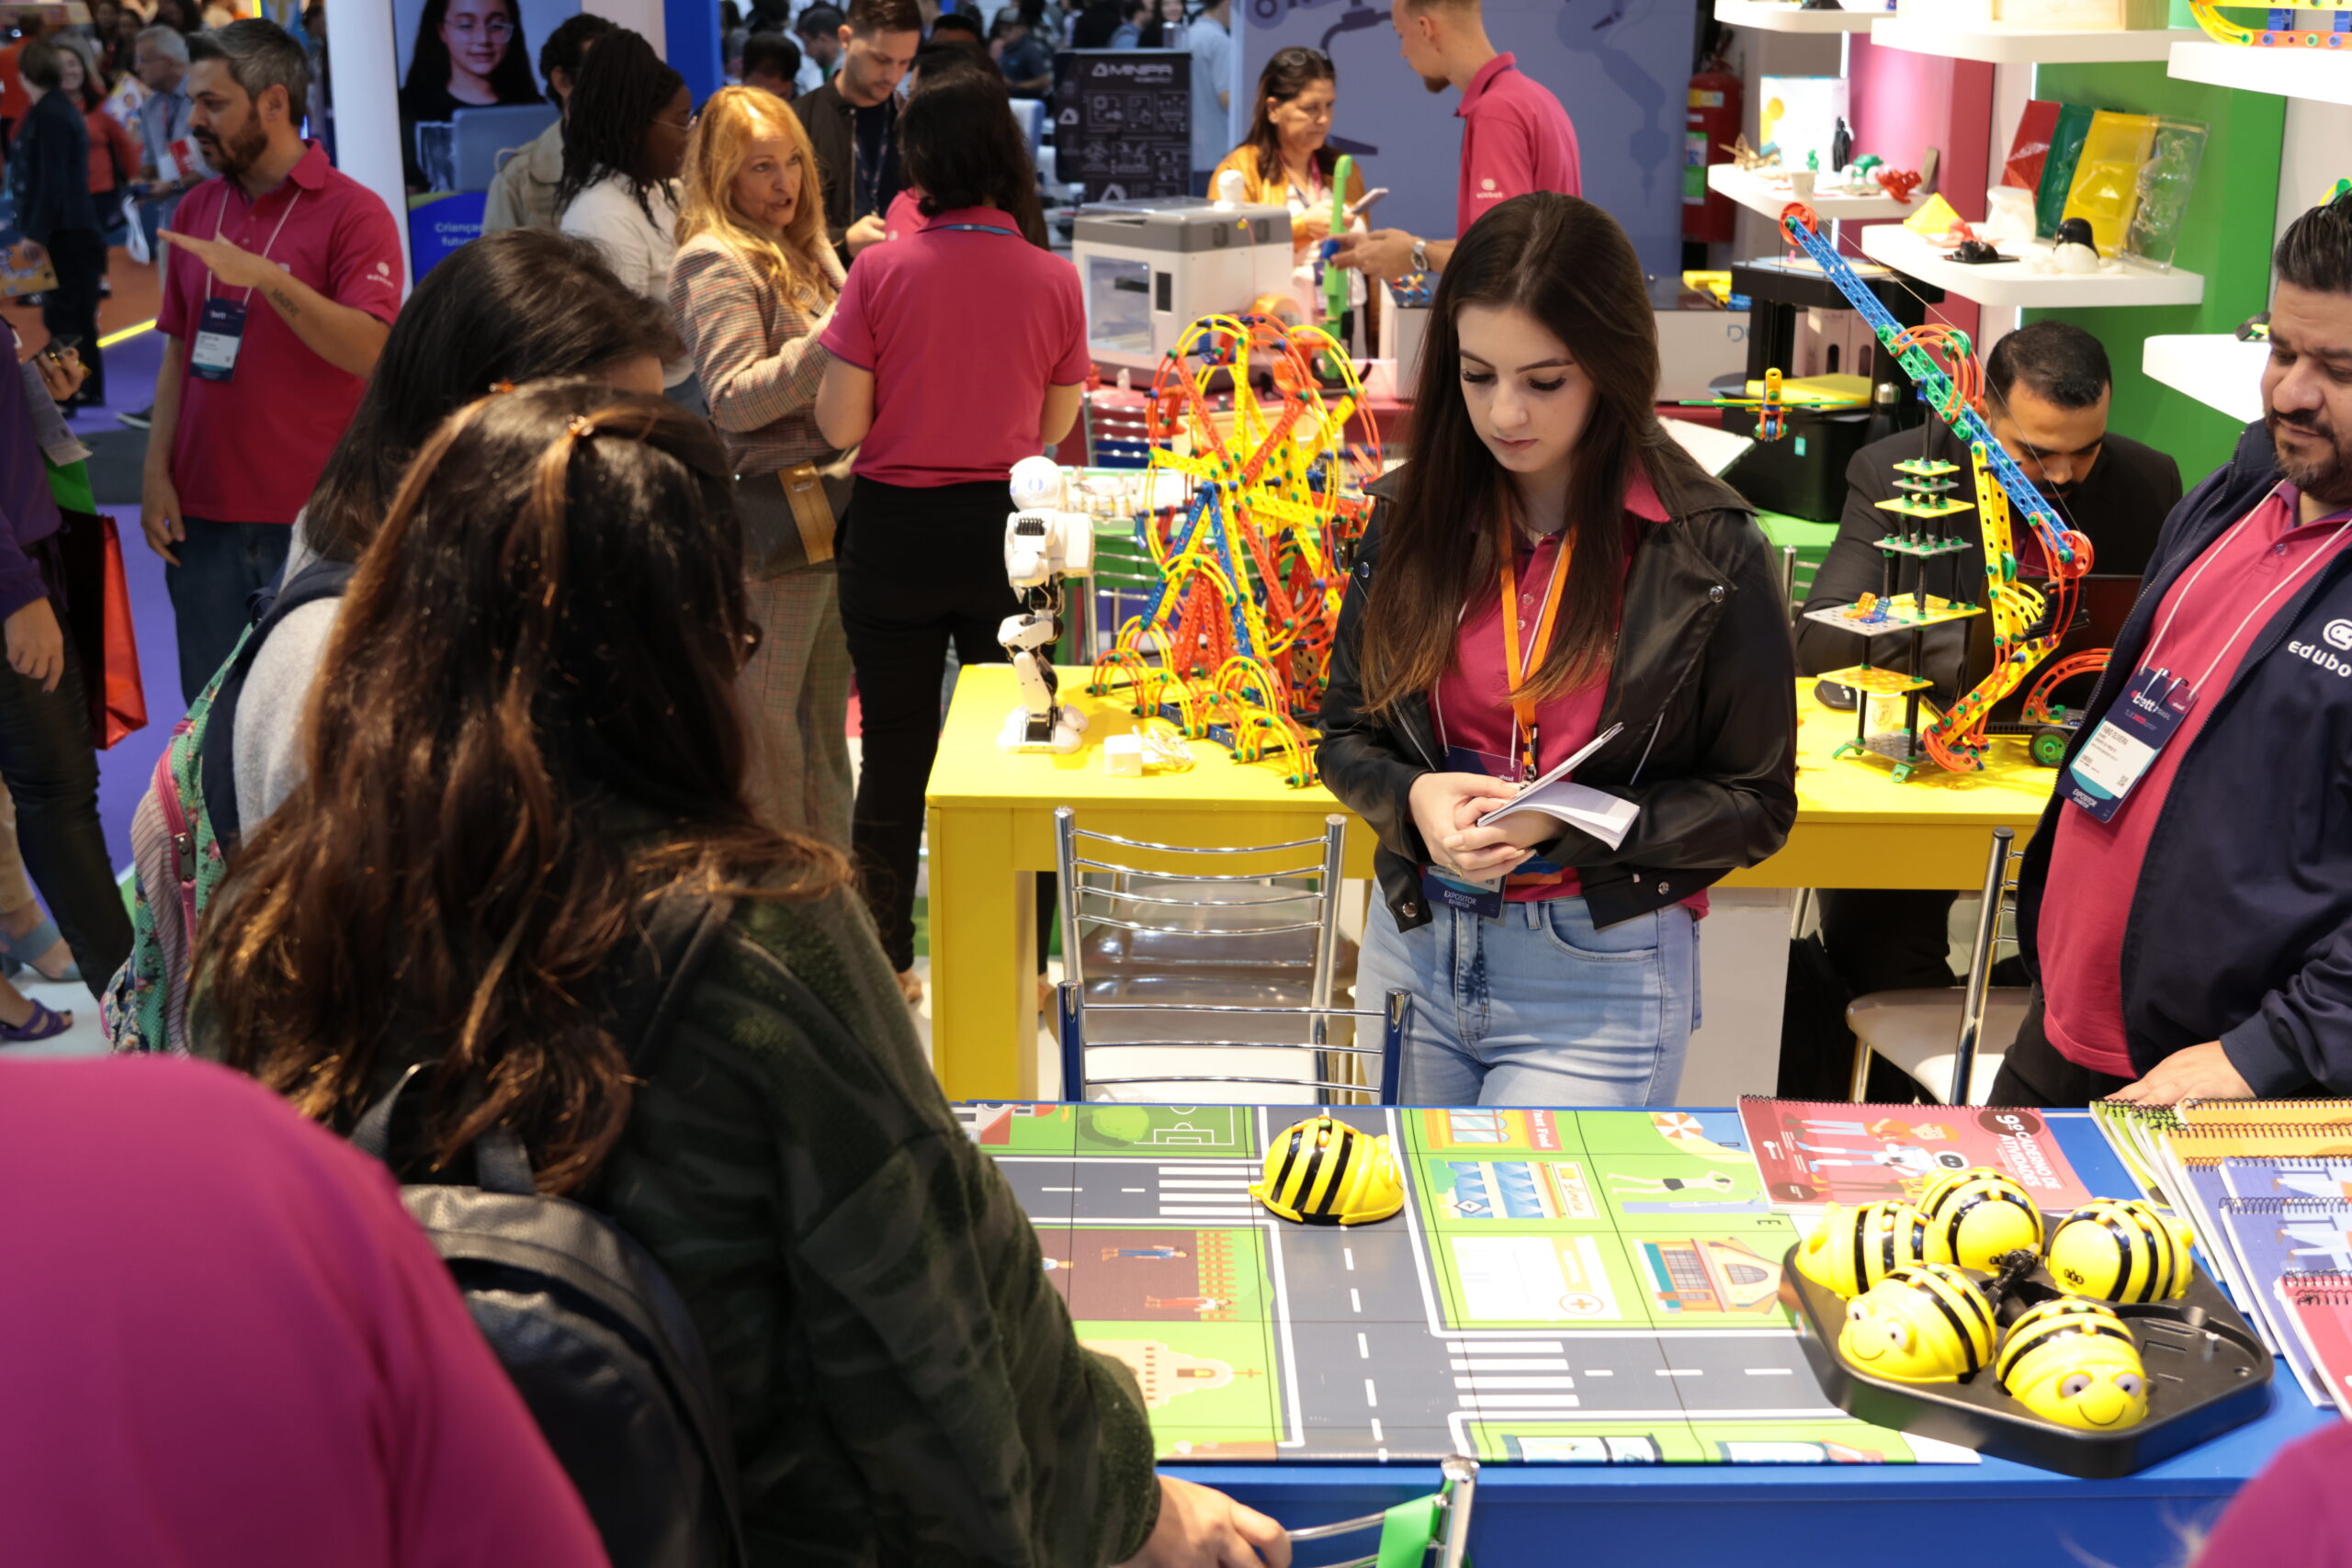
(281, 284)
(1515, 136)
(2185, 905)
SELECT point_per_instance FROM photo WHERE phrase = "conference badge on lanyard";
(220, 332)
(2124, 746)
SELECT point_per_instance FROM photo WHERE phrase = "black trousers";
(1873, 940)
(922, 569)
(51, 768)
(79, 258)
(2034, 1073)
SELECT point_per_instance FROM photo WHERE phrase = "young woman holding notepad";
(1549, 566)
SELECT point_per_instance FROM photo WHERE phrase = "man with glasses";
(2048, 388)
(852, 120)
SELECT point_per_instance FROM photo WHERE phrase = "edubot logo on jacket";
(2337, 632)
(2339, 635)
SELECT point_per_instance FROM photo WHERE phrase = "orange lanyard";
(1517, 672)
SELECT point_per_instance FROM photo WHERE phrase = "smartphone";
(58, 347)
(1364, 204)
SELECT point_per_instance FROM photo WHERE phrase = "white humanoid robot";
(1044, 543)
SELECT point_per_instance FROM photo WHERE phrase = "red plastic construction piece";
(1897, 183)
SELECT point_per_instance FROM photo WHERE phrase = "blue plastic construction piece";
(1935, 387)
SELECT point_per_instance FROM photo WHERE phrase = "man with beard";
(2047, 389)
(281, 284)
(1515, 136)
(2186, 904)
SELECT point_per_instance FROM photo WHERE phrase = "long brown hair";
(1288, 73)
(524, 729)
(1566, 262)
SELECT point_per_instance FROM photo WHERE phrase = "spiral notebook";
(2207, 1133)
(2272, 1238)
(2319, 1308)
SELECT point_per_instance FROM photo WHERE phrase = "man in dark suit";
(2047, 389)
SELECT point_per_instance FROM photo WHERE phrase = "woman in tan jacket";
(753, 284)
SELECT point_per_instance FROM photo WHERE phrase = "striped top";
(756, 351)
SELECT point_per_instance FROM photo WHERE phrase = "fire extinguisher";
(1710, 124)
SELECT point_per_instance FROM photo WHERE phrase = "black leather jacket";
(1704, 682)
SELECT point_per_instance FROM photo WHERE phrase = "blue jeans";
(223, 566)
(1535, 1007)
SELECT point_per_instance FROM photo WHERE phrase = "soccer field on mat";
(1578, 1287)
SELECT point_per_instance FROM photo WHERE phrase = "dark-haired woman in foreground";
(1550, 566)
(923, 556)
(525, 737)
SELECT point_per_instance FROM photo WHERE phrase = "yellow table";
(991, 822)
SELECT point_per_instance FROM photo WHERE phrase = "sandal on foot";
(32, 944)
(43, 1025)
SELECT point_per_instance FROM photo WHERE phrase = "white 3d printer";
(1153, 265)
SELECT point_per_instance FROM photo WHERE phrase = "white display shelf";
(1772, 18)
(2213, 368)
(2028, 46)
(2322, 74)
(1758, 195)
(2015, 283)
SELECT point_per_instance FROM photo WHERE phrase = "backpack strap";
(319, 579)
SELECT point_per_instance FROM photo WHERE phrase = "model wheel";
(2048, 746)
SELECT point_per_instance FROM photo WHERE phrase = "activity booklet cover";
(1819, 1152)
(2273, 1237)
(2319, 1308)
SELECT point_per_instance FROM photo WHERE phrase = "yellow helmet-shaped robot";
(1977, 1215)
(2120, 1249)
(1325, 1173)
(2073, 1362)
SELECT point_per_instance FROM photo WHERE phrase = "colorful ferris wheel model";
(1924, 547)
(1235, 646)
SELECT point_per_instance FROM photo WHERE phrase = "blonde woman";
(754, 283)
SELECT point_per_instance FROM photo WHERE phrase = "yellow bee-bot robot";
(1853, 1250)
(2073, 1362)
(1324, 1172)
(2121, 1250)
(1928, 1323)
(1977, 1216)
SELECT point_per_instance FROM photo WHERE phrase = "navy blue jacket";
(2241, 926)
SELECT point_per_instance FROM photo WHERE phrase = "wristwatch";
(1420, 256)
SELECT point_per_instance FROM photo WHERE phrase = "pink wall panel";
(1905, 104)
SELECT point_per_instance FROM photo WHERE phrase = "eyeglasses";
(497, 28)
(680, 126)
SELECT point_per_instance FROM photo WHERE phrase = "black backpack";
(581, 1316)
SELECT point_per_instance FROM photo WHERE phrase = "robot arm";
(1045, 542)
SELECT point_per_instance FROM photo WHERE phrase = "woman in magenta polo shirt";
(1551, 571)
(957, 352)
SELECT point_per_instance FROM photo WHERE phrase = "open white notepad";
(1603, 815)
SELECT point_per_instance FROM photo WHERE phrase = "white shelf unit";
(1757, 196)
(1773, 16)
(2213, 368)
(2015, 283)
(2028, 46)
(2324, 75)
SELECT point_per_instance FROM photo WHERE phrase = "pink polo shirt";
(232, 1346)
(1471, 706)
(248, 449)
(1515, 138)
(2094, 866)
(964, 325)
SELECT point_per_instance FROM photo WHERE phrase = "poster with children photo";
(459, 60)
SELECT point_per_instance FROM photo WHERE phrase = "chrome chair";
(1447, 1526)
(1178, 935)
(1940, 1036)
(1282, 1043)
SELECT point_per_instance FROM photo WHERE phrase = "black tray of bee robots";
(2208, 1372)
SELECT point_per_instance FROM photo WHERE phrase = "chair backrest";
(2001, 862)
(1393, 1017)
(1206, 910)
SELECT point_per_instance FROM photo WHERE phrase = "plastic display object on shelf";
(2208, 1372)
(2278, 29)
